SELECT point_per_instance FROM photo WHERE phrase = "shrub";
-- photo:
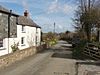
(14, 47)
(77, 50)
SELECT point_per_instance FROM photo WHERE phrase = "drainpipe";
(9, 28)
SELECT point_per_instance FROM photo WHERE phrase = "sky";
(46, 12)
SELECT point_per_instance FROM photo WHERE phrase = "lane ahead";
(56, 61)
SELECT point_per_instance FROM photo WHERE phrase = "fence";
(92, 50)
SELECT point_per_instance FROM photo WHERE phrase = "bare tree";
(86, 17)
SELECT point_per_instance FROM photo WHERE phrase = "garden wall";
(8, 59)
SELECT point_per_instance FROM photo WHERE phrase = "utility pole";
(54, 27)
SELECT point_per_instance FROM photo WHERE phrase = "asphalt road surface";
(56, 61)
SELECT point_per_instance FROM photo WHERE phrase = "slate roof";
(6, 11)
(23, 20)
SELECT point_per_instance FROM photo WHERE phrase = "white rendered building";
(23, 31)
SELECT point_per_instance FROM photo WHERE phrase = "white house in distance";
(22, 31)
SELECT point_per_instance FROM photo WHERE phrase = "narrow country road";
(56, 61)
(60, 63)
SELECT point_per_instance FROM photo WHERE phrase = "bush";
(14, 47)
(77, 50)
(53, 42)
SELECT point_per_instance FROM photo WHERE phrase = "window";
(36, 31)
(22, 40)
(36, 40)
(1, 42)
(0, 14)
(23, 28)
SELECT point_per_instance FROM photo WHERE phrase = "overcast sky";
(46, 12)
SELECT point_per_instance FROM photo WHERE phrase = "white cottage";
(23, 31)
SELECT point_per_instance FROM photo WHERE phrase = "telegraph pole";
(54, 27)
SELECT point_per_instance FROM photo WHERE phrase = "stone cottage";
(17, 30)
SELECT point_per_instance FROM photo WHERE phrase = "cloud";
(56, 6)
(59, 27)
(11, 1)
(25, 5)
(56, 12)
(67, 8)
(6, 1)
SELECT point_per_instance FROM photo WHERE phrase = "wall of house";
(21, 34)
(4, 32)
(29, 39)
(4, 26)
(38, 36)
(31, 35)
(7, 43)
(28, 35)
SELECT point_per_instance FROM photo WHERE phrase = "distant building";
(23, 31)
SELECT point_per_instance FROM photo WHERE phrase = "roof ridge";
(23, 20)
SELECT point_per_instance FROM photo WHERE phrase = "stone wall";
(18, 55)
(8, 59)
(88, 68)
(41, 48)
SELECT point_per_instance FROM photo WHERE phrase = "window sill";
(2, 48)
(23, 31)
(22, 44)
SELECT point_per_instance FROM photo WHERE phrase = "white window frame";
(2, 47)
(22, 41)
(0, 14)
(23, 29)
(1, 43)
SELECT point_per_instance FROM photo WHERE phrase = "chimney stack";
(26, 13)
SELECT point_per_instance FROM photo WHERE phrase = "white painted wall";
(6, 49)
(29, 39)
(31, 36)
(38, 36)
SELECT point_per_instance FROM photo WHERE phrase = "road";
(60, 63)
(56, 61)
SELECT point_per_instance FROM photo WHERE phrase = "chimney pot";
(26, 13)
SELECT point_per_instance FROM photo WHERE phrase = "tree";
(86, 18)
(50, 38)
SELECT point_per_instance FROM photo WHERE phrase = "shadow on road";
(87, 65)
(64, 50)
(61, 55)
